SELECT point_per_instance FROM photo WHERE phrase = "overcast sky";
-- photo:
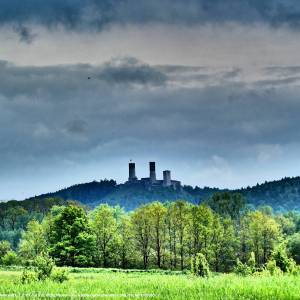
(209, 89)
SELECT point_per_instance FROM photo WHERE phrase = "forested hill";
(282, 194)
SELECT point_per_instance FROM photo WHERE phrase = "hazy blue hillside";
(132, 196)
(283, 194)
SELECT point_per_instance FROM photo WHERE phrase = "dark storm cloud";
(65, 79)
(25, 34)
(97, 14)
(57, 111)
(130, 70)
(56, 116)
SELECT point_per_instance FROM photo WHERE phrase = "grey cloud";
(130, 70)
(65, 79)
(283, 70)
(25, 34)
(53, 116)
(98, 14)
(77, 127)
(279, 81)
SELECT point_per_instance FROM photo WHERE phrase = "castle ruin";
(152, 181)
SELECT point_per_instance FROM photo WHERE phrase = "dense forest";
(174, 235)
(281, 195)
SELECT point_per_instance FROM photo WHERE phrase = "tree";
(13, 214)
(105, 229)
(71, 240)
(263, 232)
(125, 241)
(158, 229)
(33, 241)
(223, 244)
(200, 229)
(293, 247)
(142, 232)
(227, 204)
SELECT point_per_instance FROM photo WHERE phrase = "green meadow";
(112, 284)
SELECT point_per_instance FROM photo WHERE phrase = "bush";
(60, 275)
(246, 269)
(4, 248)
(10, 259)
(293, 247)
(27, 277)
(282, 261)
(272, 268)
(200, 266)
(43, 266)
(242, 269)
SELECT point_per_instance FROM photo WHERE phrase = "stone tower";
(132, 176)
(152, 171)
(167, 178)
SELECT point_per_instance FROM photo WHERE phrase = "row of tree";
(167, 236)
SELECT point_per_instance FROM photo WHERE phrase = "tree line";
(159, 235)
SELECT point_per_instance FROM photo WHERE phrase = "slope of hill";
(282, 194)
(86, 193)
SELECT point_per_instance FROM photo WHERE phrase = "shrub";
(60, 275)
(43, 266)
(242, 269)
(10, 259)
(4, 248)
(252, 262)
(272, 268)
(282, 261)
(200, 266)
(27, 276)
(248, 268)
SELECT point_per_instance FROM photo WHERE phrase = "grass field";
(104, 284)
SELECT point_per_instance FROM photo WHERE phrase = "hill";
(282, 194)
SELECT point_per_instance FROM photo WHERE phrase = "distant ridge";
(281, 195)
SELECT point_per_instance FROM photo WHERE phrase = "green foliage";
(161, 235)
(242, 269)
(59, 275)
(27, 276)
(105, 228)
(33, 242)
(272, 268)
(227, 204)
(246, 269)
(10, 259)
(4, 248)
(252, 262)
(70, 237)
(43, 265)
(260, 234)
(293, 247)
(200, 266)
(282, 260)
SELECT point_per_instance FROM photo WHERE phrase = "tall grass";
(161, 286)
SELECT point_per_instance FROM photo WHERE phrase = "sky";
(209, 89)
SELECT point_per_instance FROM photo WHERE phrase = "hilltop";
(282, 194)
